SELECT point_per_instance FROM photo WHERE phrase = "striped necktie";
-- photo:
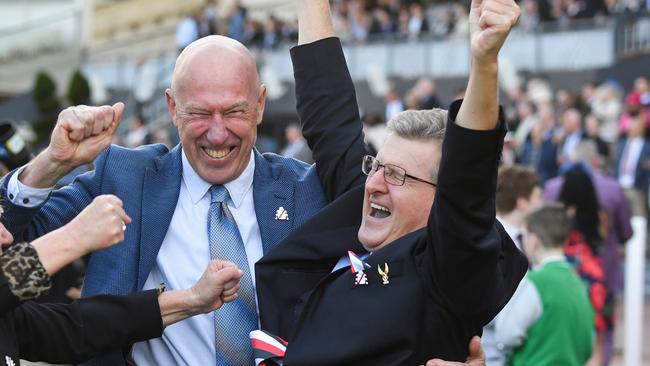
(235, 320)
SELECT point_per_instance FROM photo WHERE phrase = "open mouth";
(218, 154)
(378, 211)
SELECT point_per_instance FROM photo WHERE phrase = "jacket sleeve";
(72, 333)
(22, 276)
(328, 111)
(475, 266)
(27, 224)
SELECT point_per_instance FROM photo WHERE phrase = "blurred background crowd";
(573, 70)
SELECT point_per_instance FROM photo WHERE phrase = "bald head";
(216, 102)
(210, 55)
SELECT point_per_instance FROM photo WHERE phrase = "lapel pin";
(360, 278)
(383, 273)
(281, 214)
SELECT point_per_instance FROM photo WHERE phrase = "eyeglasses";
(393, 174)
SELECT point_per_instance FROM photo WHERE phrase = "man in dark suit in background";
(436, 271)
(633, 165)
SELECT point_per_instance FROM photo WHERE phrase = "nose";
(217, 132)
(376, 183)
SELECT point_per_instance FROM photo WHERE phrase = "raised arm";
(326, 100)
(72, 333)
(490, 22)
(25, 269)
(314, 21)
(79, 137)
(476, 267)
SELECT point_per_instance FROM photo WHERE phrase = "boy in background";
(549, 320)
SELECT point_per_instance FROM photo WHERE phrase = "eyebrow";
(243, 104)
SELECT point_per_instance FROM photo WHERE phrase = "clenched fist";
(82, 132)
(490, 22)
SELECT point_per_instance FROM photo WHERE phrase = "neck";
(547, 253)
(514, 218)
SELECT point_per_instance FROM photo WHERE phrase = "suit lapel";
(328, 234)
(160, 191)
(271, 194)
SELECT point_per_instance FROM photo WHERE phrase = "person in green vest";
(549, 320)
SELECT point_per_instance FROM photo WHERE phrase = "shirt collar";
(237, 188)
(512, 231)
(550, 259)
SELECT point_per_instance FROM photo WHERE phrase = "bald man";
(174, 197)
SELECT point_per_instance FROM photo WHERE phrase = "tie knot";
(218, 193)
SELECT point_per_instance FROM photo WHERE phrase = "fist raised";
(490, 23)
(82, 132)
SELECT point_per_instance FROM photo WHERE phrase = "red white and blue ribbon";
(268, 349)
(356, 264)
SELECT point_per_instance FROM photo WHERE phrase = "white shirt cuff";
(25, 196)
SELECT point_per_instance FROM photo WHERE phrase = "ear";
(261, 103)
(521, 204)
(171, 105)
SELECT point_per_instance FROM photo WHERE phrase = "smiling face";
(216, 103)
(389, 211)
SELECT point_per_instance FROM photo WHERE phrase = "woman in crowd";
(72, 333)
(582, 248)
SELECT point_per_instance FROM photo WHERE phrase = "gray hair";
(586, 151)
(420, 125)
(427, 124)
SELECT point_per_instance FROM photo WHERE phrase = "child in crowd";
(549, 320)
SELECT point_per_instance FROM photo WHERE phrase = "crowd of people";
(361, 21)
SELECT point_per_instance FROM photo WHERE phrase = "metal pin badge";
(282, 214)
(383, 273)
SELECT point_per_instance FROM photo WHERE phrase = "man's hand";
(80, 134)
(490, 22)
(476, 356)
(218, 285)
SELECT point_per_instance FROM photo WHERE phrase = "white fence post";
(634, 292)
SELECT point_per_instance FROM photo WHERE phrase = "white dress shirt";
(184, 255)
(513, 232)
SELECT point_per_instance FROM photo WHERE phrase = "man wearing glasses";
(425, 275)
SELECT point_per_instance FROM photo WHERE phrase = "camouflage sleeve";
(24, 272)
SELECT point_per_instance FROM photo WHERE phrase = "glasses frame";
(394, 167)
